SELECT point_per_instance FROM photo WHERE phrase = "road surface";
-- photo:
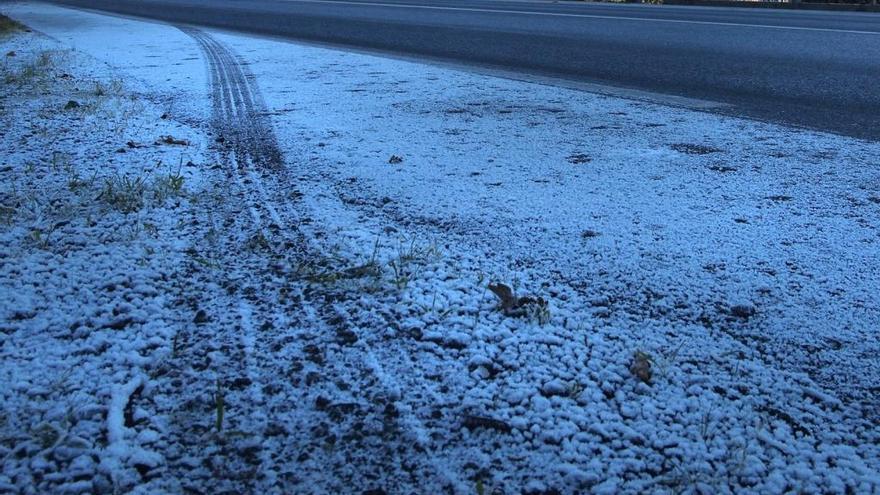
(814, 69)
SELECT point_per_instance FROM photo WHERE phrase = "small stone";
(120, 323)
(540, 404)
(628, 411)
(554, 387)
(472, 422)
(345, 336)
(201, 317)
(579, 158)
(744, 311)
(240, 383)
(72, 104)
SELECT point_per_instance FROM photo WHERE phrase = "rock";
(694, 149)
(119, 323)
(240, 383)
(540, 404)
(579, 158)
(201, 317)
(744, 311)
(472, 422)
(554, 387)
(71, 105)
(628, 411)
(345, 336)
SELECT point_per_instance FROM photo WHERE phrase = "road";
(814, 69)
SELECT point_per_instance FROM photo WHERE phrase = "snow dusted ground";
(90, 249)
(336, 298)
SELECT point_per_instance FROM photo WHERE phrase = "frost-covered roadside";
(94, 185)
(739, 258)
(728, 252)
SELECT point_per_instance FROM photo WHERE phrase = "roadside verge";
(439, 281)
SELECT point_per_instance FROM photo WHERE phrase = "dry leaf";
(641, 367)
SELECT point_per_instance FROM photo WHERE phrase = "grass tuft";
(219, 407)
(9, 26)
(130, 194)
(37, 70)
(124, 193)
(169, 185)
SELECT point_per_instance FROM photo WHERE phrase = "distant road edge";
(799, 5)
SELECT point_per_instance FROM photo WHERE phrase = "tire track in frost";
(218, 353)
(263, 339)
(239, 109)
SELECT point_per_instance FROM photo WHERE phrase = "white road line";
(589, 16)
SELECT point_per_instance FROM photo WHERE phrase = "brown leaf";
(171, 140)
(505, 295)
(640, 367)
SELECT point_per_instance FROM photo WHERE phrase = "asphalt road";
(815, 69)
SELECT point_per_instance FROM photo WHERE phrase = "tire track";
(220, 352)
(282, 345)
(239, 108)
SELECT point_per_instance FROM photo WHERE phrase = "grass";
(36, 69)
(37, 207)
(258, 242)
(39, 238)
(124, 193)
(76, 183)
(666, 359)
(44, 59)
(404, 264)
(219, 407)
(7, 213)
(410, 257)
(130, 194)
(9, 26)
(168, 185)
(114, 88)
